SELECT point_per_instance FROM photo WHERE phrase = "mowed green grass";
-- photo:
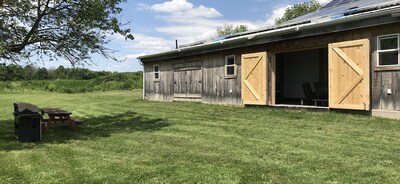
(125, 139)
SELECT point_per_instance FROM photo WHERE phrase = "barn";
(343, 56)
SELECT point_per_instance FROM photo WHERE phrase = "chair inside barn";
(301, 78)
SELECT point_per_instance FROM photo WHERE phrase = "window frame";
(234, 66)
(378, 51)
(158, 72)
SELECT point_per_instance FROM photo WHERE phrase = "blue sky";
(156, 24)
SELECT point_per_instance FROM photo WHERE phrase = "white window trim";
(154, 72)
(378, 51)
(234, 66)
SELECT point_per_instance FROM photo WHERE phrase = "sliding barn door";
(187, 84)
(254, 79)
(194, 84)
(349, 65)
(180, 84)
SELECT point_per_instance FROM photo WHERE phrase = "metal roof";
(334, 12)
(343, 7)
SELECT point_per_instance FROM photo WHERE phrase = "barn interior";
(302, 77)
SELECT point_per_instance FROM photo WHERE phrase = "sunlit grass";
(127, 140)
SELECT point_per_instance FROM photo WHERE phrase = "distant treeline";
(66, 80)
(17, 73)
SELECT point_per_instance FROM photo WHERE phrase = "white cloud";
(189, 23)
(201, 29)
(324, 1)
(132, 56)
(276, 13)
(150, 44)
(143, 43)
(172, 6)
(132, 49)
(279, 11)
(128, 65)
(185, 9)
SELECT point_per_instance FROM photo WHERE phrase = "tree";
(2, 49)
(69, 29)
(229, 29)
(42, 74)
(59, 73)
(3, 72)
(14, 72)
(29, 72)
(298, 10)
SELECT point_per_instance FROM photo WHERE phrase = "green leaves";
(298, 10)
(2, 49)
(228, 29)
(59, 28)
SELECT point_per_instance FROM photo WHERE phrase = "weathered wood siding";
(215, 86)
(220, 90)
(385, 80)
(162, 89)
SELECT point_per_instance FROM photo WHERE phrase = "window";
(230, 66)
(388, 50)
(156, 72)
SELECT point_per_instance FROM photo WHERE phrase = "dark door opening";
(302, 77)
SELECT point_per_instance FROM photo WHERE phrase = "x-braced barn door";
(187, 84)
(254, 78)
(349, 65)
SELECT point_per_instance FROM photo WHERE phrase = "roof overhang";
(366, 19)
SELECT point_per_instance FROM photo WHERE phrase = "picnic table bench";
(57, 117)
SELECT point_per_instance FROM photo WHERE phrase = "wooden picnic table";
(57, 117)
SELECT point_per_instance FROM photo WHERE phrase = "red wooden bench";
(57, 117)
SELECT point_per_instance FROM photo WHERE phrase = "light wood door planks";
(349, 80)
(254, 79)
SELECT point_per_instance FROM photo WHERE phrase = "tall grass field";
(121, 81)
(125, 139)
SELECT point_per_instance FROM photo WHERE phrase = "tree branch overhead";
(58, 28)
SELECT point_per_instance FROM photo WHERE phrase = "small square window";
(388, 50)
(156, 72)
(230, 66)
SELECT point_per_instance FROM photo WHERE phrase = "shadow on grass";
(92, 128)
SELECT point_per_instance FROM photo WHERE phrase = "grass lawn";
(127, 140)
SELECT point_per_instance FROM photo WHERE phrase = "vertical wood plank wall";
(349, 84)
(384, 78)
(217, 88)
